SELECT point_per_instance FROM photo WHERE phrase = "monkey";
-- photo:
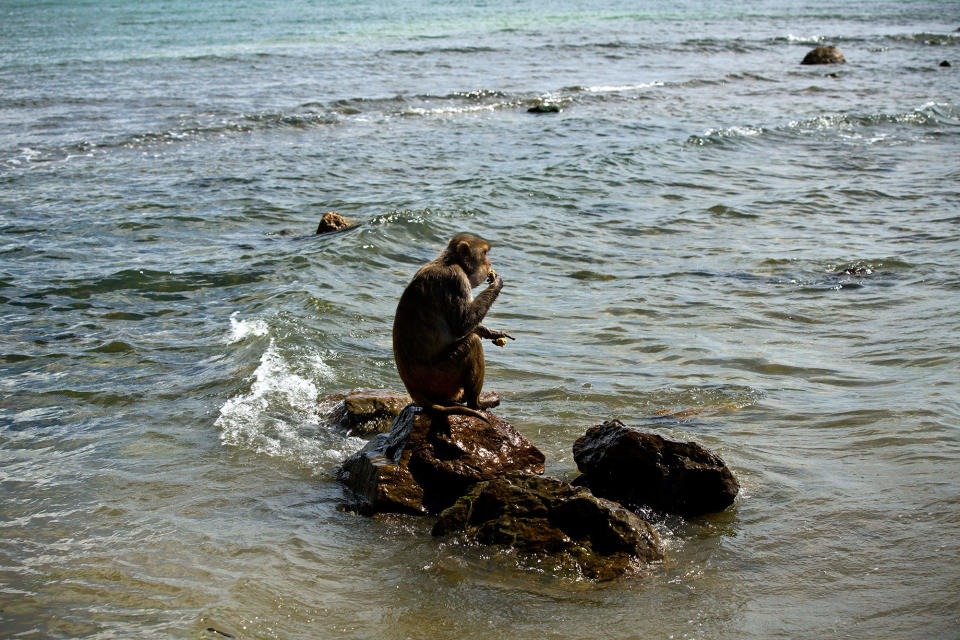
(437, 330)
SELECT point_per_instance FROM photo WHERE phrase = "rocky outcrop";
(824, 55)
(552, 519)
(332, 221)
(640, 469)
(425, 463)
(364, 412)
(544, 107)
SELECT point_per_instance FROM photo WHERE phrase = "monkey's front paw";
(491, 276)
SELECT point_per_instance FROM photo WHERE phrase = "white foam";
(243, 329)
(739, 131)
(279, 416)
(625, 87)
(804, 39)
(446, 111)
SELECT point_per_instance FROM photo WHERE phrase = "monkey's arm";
(491, 334)
(466, 317)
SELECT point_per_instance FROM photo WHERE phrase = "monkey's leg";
(472, 369)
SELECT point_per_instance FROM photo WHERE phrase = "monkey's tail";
(456, 409)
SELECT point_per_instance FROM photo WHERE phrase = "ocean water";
(767, 251)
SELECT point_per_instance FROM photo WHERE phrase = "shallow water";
(706, 226)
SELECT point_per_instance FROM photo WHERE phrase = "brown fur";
(437, 328)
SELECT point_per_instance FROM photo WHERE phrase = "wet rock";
(945, 63)
(640, 469)
(824, 55)
(856, 270)
(364, 412)
(332, 221)
(544, 108)
(549, 518)
(425, 463)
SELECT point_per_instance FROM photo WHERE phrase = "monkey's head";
(470, 252)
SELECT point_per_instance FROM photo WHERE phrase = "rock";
(364, 412)
(544, 108)
(824, 55)
(946, 63)
(332, 221)
(640, 469)
(421, 467)
(856, 270)
(549, 518)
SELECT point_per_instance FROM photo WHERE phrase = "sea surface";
(708, 240)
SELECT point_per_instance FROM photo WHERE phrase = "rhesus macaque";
(437, 329)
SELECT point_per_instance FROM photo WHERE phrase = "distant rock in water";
(332, 221)
(364, 412)
(824, 55)
(639, 469)
(425, 463)
(946, 63)
(544, 107)
(856, 270)
(552, 519)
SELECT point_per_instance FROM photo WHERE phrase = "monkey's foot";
(489, 399)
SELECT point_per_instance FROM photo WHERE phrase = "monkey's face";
(479, 270)
(478, 265)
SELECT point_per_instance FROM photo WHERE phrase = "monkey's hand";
(491, 334)
(496, 282)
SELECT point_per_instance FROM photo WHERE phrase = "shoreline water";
(705, 223)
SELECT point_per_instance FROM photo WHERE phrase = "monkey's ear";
(463, 248)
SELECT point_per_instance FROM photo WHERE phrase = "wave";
(925, 38)
(310, 115)
(930, 115)
(148, 282)
(466, 103)
(279, 415)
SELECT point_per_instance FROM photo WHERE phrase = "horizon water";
(709, 241)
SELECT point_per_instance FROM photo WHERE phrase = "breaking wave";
(279, 415)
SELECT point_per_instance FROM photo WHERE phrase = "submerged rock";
(547, 517)
(364, 412)
(824, 55)
(332, 221)
(640, 469)
(544, 108)
(423, 467)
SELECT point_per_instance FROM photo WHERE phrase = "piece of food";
(500, 342)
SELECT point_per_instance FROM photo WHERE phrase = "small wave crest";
(279, 415)
(240, 330)
(929, 115)
(816, 39)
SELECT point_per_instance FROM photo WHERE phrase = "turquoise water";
(706, 227)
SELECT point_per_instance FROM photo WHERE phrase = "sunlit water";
(705, 226)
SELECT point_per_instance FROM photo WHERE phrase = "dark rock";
(640, 469)
(422, 467)
(364, 412)
(824, 55)
(544, 108)
(332, 221)
(946, 63)
(856, 270)
(547, 517)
